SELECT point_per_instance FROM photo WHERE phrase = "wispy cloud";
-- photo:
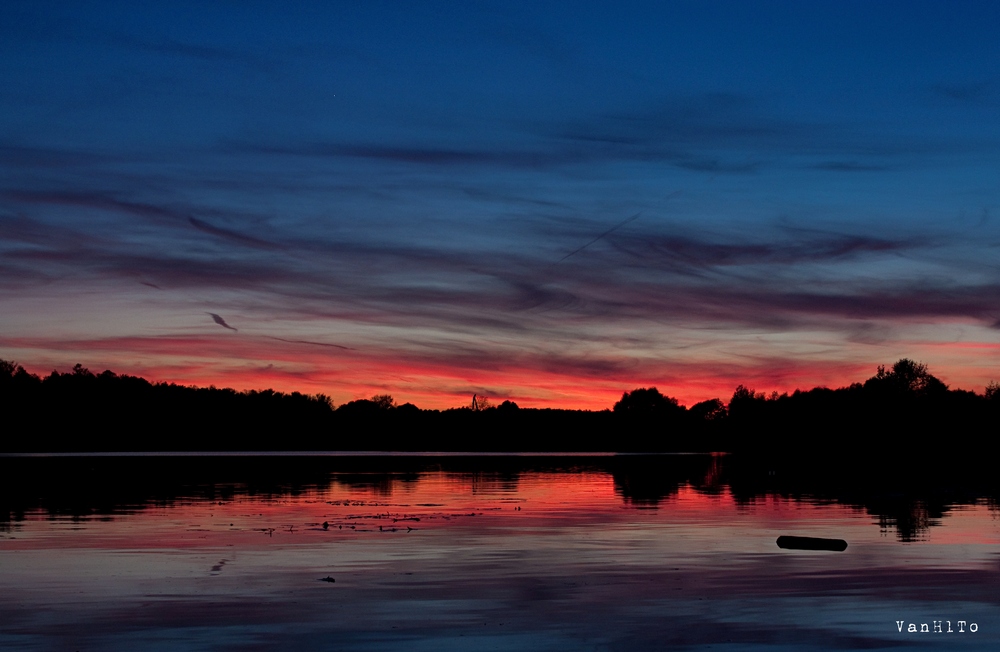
(850, 166)
(634, 273)
(229, 234)
(310, 343)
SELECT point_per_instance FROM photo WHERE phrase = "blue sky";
(425, 199)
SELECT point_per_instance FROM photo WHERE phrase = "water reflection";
(87, 487)
(508, 553)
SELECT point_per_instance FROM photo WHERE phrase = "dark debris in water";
(811, 543)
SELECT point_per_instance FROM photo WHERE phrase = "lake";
(354, 552)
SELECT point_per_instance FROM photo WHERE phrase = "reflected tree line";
(902, 415)
(97, 487)
(899, 500)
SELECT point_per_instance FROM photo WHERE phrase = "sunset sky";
(544, 202)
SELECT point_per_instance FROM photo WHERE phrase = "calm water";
(475, 554)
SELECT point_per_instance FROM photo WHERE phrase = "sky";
(550, 203)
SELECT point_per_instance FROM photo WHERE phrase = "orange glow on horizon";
(246, 363)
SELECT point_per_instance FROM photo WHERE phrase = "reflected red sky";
(449, 560)
(357, 507)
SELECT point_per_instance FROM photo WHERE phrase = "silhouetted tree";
(906, 377)
(407, 409)
(653, 421)
(480, 403)
(383, 401)
(8, 368)
(711, 410)
(80, 370)
(744, 393)
(647, 401)
(745, 403)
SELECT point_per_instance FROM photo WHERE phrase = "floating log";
(811, 543)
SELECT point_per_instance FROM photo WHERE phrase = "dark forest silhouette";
(902, 413)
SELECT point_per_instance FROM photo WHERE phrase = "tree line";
(902, 412)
